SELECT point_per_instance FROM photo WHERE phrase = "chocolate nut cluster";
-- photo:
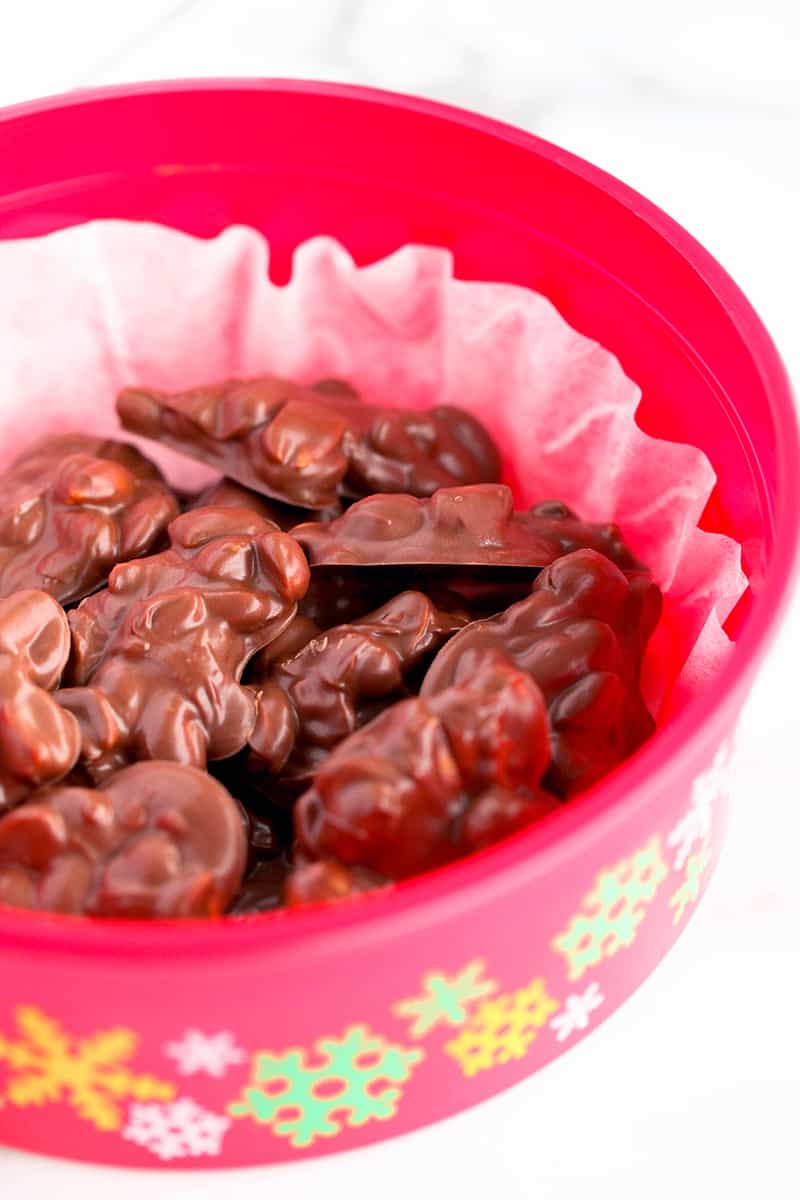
(580, 636)
(458, 526)
(158, 654)
(157, 840)
(39, 740)
(309, 700)
(73, 507)
(308, 445)
(430, 779)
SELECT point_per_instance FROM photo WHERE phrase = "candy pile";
(348, 662)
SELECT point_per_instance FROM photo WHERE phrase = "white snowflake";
(575, 1013)
(181, 1129)
(694, 826)
(212, 1053)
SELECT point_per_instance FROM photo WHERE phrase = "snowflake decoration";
(212, 1053)
(694, 827)
(611, 913)
(445, 999)
(346, 1083)
(576, 1011)
(179, 1130)
(689, 890)
(49, 1065)
(502, 1029)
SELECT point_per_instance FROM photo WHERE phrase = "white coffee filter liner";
(89, 309)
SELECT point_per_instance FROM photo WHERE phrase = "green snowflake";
(611, 913)
(346, 1084)
(445, 999)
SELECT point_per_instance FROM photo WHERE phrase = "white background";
(691, 1089)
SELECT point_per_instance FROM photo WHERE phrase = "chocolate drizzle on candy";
(323, 664)
(307, 446)
(39, 741)
(157, 656)
(71, 508)
(158, 840)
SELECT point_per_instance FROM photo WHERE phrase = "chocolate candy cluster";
(39, 740)
(308, 446)
(349, 661)
(73, 507)
(157, 656)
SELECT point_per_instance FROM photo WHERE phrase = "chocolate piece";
(338, 681)
(306, 446)
(71, 508)
(432, 779)
(158, 655)
(159, 840)
(457, 527)
(39, 742)
(229, 494)
(580, 635)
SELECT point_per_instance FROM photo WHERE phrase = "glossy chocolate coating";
(39, 742)
(456, 527)
(159, 840)
(306, 446)
(432, 779)
(580, 635)
(72, 507)
(157, 656)
(312, 700)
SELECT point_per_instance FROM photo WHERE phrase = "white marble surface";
(692, 1089)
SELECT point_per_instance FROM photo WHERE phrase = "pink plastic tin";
(278, 1037)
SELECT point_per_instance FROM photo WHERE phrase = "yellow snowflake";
(502, 1029)
(48, 1065)
(689, 890)
(612, 911)
(445, 999)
